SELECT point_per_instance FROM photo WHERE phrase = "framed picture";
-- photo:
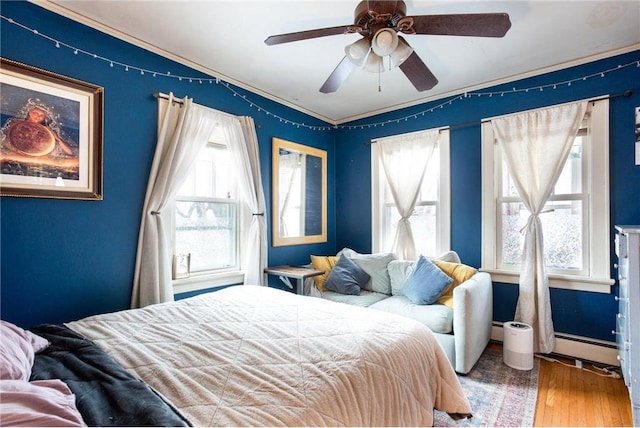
(181, 267)
(50, 134)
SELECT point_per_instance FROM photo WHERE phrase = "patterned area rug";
(499, 395)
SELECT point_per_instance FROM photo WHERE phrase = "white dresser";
(627, 243)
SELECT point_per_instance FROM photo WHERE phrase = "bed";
(256, 356)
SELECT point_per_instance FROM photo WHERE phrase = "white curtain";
(246, 159)
(404, 160)
(535, 145)
(184, 129)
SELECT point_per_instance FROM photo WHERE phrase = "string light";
(260, 109)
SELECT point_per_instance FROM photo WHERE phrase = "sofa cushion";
(459, 273)
(325, 263)
(346, 277)
(425, 284)
(439, 318)
(366, 298)
(376, 266)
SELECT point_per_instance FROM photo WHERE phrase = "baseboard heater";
(578, 347)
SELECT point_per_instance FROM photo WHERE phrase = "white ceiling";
(226, 39)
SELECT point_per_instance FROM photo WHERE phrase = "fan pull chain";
(379, 85)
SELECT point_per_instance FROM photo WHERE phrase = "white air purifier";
(517, 345)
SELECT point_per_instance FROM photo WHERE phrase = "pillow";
(42, 403)
(17, 350)
(448, 256)
(425, 284)
(399, 271)
(346, 277)
(376, 266)
(459, 273)
(325, 263)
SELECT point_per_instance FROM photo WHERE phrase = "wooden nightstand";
(297, 272)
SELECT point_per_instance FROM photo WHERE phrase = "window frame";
(443, 204)
(216, 277)
(596, 276)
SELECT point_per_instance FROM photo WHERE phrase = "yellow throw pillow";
(325, 263)
(459, 273)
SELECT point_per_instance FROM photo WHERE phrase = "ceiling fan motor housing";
(372, 16)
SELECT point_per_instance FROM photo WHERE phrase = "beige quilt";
(256, 356)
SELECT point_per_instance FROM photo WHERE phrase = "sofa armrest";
(472, 319)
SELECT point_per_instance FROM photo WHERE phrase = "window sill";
(203, 282)
(567, 282)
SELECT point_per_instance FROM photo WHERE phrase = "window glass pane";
(210, 175)
(508, 186)
(563, 235)
(206, 215)
(431, 180)
(424, 217)
(514, 217)
(562, 228)
(570, 180)
(208, 231)
(390, 218)
(423, 227)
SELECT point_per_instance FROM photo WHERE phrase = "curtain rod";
(440, 129)
(625, 94)
(178, 101)
(166, 97)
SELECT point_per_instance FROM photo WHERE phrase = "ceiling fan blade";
(310, 34)
(339, 75)
(471, 24)
(418, 73)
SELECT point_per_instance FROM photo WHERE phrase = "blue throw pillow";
(346, 277)
(426, 283)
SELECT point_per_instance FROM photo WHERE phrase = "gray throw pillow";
(376, 266)
(346, 277)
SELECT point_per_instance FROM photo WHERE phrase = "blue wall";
(61, 260)
(581, 313)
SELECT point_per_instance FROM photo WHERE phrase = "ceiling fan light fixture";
(374, 63)
(384, 42)
(402, 52)
(357, 51)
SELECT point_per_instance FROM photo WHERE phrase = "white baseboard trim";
(579, 347)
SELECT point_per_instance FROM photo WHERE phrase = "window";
(208, 220)
(430, 219)
(575, 220)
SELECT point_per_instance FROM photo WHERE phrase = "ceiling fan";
(378, 22)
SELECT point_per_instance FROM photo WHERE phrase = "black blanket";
(106, 394)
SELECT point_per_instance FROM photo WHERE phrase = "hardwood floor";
(570, 397)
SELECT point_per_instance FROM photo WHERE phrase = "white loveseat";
(463, 330)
